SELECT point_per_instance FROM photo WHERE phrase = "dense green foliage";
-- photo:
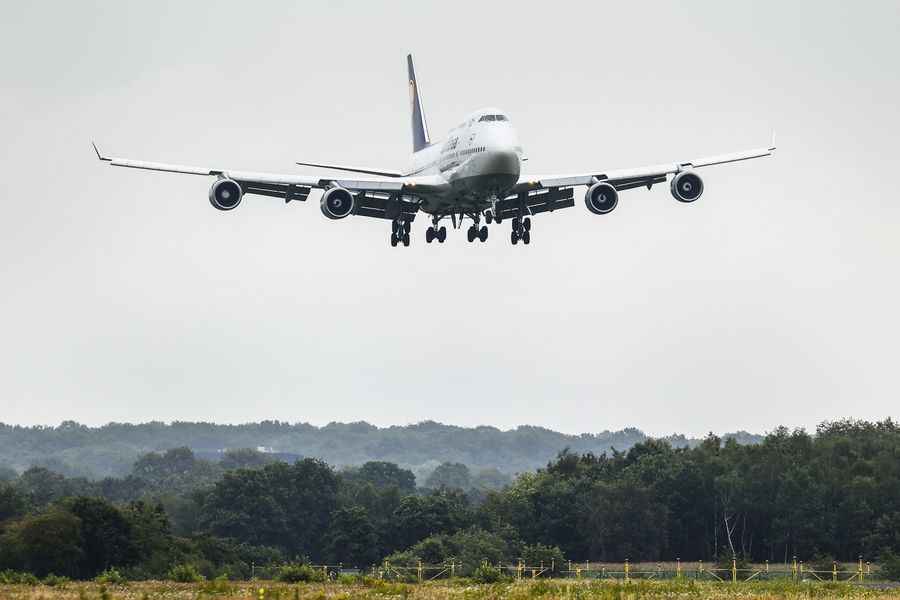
(76, 450)
(832, 495)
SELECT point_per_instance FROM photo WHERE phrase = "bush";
(890, 566)
(111, 576)
(299, 573)
(487, 574)
(10, 577)
(184, 573)
(52, 580)
(218, 586)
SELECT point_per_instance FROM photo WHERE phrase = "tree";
(281, 505)
(450, 475)
(12, 502)
(105, 535)
(384, 474)
(45, 543)
(244, 458)
(351, 539)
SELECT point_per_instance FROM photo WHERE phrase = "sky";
(770, 301)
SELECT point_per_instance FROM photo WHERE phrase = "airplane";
(474, 173)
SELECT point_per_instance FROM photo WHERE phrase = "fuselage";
(480, 160)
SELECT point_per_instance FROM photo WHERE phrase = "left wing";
(386, 198)
(625, 179)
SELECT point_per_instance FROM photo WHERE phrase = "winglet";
(97, 151)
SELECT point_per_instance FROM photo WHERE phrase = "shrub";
(10, 577)
(218, 586)
(299, 573)
(487, 574)
(52, 580)
(111, 576)
(890, 566)
(184, 573)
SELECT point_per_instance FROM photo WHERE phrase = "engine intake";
(687, 186)
(601, 198)
(337, 203)
(225, 194)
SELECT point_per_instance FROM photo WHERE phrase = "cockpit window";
(493, 118)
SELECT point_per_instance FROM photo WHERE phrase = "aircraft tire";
(394, 240)
(526, 237)
(483, 234)
(514, 238)
(442, 234)
(527, 224)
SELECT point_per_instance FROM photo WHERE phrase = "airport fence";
(735, 572)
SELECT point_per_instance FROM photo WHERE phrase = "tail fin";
(419, 127)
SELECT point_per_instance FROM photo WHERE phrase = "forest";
(834, 493)
(77, 450)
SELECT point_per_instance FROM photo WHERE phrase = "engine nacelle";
(601, 198)
(687, 186)
(225, 194)
(337, 203)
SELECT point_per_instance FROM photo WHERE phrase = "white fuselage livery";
(480, 160)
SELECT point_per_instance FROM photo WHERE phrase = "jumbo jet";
(474, 174)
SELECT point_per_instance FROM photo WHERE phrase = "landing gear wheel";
(527, 224)
(394, 240)
(442, 234)
(406, 239)
(482, 235)
(429, 235)
(488, 217)
(526, 237)
(517, 225)
(470, 234)
(514, 238)
(407, 227)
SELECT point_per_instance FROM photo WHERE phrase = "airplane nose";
(503, 162)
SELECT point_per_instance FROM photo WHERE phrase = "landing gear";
(400, 233)
(439, 234)
(521, 230)
(476, 233)
(488, 217)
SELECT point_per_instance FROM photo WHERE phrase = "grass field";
(456, 590)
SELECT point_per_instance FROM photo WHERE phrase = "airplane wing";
(626, 179)
(375, 197)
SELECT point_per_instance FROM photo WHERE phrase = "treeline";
(832, 494)
(76, 450)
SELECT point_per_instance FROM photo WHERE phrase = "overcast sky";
(772, 300)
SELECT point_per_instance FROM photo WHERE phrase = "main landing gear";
(436, 233)
(476, 233)
(400, 233)
(521, 230)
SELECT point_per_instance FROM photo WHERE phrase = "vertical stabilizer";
(419, 127)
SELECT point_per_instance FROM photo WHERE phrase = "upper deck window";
(493, 118)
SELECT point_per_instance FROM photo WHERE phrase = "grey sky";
(773, 300)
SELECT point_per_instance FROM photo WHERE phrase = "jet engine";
(687, 186)
(337, 203)
(225, 194)
(601, 198)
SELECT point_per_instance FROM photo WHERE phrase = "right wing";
(376, 197)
